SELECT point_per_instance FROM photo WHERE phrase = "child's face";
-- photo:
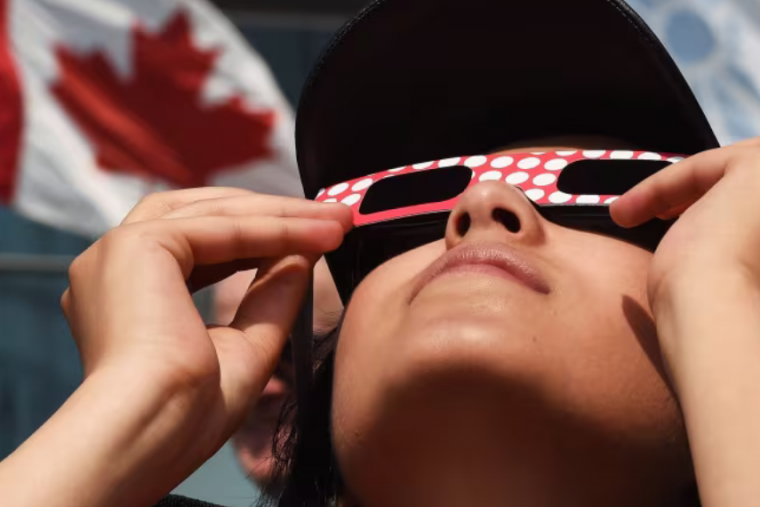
(552, 389)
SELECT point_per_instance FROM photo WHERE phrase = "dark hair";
(304, 464)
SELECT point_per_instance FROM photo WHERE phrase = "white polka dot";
(502, 162)
(490, 176)
(556, 164)
(528, 163)
(361, 185)
(611, 200)
(389, 176)
(475, 161)
(544, 179)
(559, 197)
(449, 162)
(337, 189)
(397, 169)
(592, 154)
(331, 200)
(587, 199)
(673, 160)
(517, 178)
(423, 165)
(567, 153)
(538, 152)
(534, 194)
(650, 156)
(351, 199)
(320, 193)
(621, 154)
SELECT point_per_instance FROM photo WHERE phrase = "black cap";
(414, 80)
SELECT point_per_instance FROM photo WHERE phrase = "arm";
(715, 322)
(704, 289)
(119, 440)
(162, 392)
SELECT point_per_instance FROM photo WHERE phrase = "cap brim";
(414, 80)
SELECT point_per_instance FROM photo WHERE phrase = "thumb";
(249, 349)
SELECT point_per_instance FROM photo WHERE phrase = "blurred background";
(716, 43)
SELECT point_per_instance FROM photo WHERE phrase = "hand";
(135, 322)
(716, 194)
(704, 289)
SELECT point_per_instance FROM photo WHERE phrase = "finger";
(217, 240)
(672, 188)
(265, 205)
(204, 276)
(250, 348)
(752, 142)
(159, 204)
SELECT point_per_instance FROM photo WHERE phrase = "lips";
(496, 259)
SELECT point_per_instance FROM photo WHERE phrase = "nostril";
(463, 224)
(507, 219)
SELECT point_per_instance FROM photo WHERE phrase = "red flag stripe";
(11, 109)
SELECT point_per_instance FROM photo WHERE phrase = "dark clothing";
(182, 501)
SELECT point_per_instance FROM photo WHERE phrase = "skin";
(704, 289)
(162, 392)
(130, 434)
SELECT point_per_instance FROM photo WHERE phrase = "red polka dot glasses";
(537, 174)
(402, 208)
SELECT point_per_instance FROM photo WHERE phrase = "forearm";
(711, 325)
(115, 442)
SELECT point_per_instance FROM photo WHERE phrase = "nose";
(494, 211)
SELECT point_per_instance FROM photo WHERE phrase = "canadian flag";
(105, 101)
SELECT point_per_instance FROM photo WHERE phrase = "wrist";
(160, 430)
(708, 325)
(697, 311)
(116, 441)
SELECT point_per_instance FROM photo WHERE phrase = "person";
(189, 403)
(254, 440)
(511, 360)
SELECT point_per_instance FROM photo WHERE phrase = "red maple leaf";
(152, 123)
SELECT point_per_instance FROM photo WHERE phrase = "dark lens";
(606, 177)
(416, 188)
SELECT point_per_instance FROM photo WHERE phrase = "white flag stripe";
(60, 179)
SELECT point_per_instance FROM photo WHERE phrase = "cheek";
(371, 327)
(609, 357)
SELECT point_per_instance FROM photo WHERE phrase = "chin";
(465, 392)
(461, 428)
(455, 388)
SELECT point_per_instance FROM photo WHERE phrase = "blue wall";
(39, 365)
